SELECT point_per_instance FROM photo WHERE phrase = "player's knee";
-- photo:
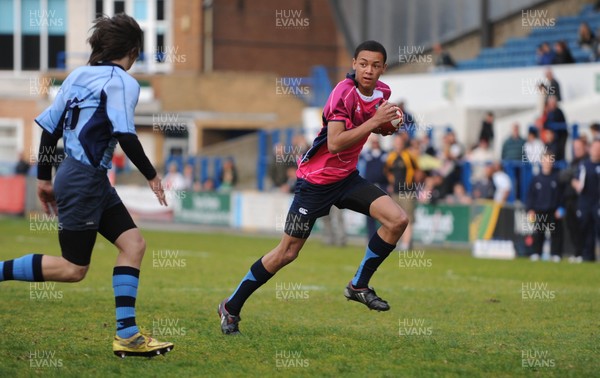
(73, 272)
(290, 255)
(399, 223)
(137, 246)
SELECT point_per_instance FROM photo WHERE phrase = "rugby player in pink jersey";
(327, 176)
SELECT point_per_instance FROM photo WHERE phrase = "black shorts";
(312, 201)
(87, 204)
(82, 194)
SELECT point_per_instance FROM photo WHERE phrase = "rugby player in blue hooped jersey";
(94, 110)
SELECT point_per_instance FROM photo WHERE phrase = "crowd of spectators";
(188, 179)
(560, 53)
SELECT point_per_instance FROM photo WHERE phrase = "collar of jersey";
(108, 64)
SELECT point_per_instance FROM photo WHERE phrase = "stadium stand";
(521, 52)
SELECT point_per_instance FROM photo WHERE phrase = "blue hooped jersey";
(93, 106)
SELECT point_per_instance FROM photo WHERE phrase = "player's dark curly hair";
(371, 46)
(114, 38)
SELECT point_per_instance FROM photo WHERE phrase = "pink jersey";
(348, 105)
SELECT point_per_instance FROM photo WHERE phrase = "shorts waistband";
(100, 171)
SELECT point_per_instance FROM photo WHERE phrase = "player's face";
(368, 66)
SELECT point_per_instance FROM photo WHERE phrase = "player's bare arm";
(339, 139)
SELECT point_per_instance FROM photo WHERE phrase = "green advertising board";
(206, 208)
(441, 224)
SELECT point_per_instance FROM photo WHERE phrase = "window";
(7, 36)
(158, 54)
(32, 34)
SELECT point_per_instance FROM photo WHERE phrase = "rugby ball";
(391, 127)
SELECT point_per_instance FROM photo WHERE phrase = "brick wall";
(285, 37)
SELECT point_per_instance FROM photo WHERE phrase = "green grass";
(475, 321)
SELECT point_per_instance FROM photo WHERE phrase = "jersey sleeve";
(338, 109)
(121, 100)
(50, 118)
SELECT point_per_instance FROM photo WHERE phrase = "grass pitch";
(451, 316)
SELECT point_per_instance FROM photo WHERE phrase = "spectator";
(450, 171)
(556, 122)
(374, 159)
(551, 87)
(512, 149)
(595, 130)
(174, 180)
(400, 170)
(118, 160)
(545, 55)
(501, 182)
(409, 125)
(496, 185)
(571, 198)
(487, 128)
(188, 176)
(586, 38)
(587, 184)
(290, 185)
(596, 47)
(22, 167)
(452, 146)
(228, 176)
(334, 230)
(562, 54)
(281, 160)
(197, 186)
(300, 147)
(427, 147)
(478, 157)
(533, 149)
(442, 59)
(208, 185)
(545, 209)
(459, 196)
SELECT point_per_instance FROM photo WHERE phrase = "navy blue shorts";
(312, 201)
(82, 194)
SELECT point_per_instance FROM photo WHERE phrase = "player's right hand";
(156, 186)
(45, 193)
(386, 112)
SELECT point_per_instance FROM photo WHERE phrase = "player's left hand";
(156, 186)
(45, 193)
